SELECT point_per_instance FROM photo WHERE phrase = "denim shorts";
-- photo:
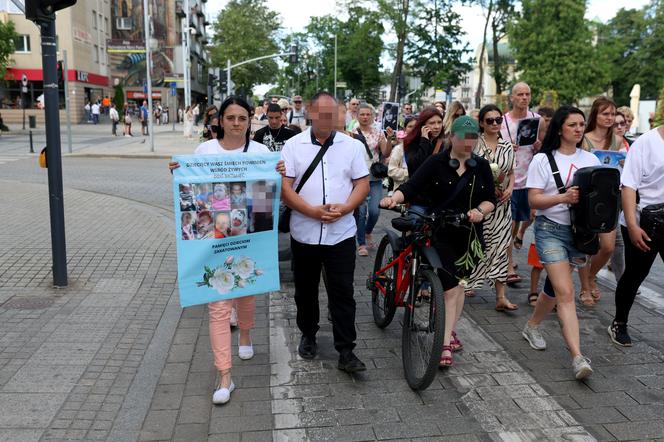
(554, 243)
(520, 206)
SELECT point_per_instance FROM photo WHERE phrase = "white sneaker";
(233, 317)
(245, 351)
(223, 395)
(534, 337)
(581, 366)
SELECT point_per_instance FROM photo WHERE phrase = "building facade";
(81, 31)
(104, 42)
(126, 50)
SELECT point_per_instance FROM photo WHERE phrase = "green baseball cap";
(464, 125)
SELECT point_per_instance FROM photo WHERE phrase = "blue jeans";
(366, 224)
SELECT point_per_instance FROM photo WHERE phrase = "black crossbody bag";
(584, 241)
(377, 169)
(285, 212)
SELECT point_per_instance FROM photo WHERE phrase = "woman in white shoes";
(232, 137)
(553, 230)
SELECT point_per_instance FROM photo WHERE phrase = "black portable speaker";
(599, 194)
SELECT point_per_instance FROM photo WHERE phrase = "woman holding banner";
(233, 136)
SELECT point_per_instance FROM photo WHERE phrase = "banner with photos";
(226, 210)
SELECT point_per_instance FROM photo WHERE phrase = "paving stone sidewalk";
(113, 357)
(499, 388)
(75, 362)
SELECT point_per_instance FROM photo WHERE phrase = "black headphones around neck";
(455, 164)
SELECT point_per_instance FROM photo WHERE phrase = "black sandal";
(518, 243)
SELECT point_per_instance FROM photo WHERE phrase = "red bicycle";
(404, 269)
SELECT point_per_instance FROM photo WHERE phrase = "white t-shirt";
(212, 147)
(540, 176)
(644, 170)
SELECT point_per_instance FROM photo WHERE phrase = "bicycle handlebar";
(452, 218)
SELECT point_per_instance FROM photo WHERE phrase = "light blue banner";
(227, 209)
(611, 158)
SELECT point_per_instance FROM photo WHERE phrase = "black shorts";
(144, 123)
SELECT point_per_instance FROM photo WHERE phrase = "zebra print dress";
(498, 225)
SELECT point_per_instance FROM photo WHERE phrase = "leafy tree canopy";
(7, 37)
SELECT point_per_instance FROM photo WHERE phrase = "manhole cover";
(28, 303)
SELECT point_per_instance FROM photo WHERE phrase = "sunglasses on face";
(297, 101)
(620, 124)
(497, 120)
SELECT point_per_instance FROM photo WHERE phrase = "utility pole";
(148, 68)
(186, 55)
(229, 92)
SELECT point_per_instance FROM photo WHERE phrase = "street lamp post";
(335, 66)
(186, 55)
(148, 68)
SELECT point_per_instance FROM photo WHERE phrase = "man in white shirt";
(95, 112)
(323, 228)
(643, 173)
(115, 118)
(523, 155)
(351, 114)
(297, 113)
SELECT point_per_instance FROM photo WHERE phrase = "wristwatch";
(479, 209)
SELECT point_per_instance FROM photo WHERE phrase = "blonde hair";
(450, 115)
(626, 111)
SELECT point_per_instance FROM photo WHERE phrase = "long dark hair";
(598, 106)
(552, 139)
(485, 110)
(240, 102)
(415, 134)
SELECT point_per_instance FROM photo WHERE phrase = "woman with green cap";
(456, 181)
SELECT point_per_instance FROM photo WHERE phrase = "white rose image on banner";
(223, 281)
(244, 267)
(234, 273)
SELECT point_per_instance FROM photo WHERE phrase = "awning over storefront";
(73, 75)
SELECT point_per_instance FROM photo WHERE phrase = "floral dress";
(498, 224)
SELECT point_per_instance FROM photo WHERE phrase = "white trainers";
(245, 351)
(534, 337)
(233, 317)
(223, 395)
(581, 366)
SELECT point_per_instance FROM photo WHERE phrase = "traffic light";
(402, 86)
(294, 49)
(223, 85)
(40, 10)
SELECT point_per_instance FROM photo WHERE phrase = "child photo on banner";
(226, 225)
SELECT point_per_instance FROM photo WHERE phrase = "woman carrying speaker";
(553, 230)
(454, 180)
(599, 136)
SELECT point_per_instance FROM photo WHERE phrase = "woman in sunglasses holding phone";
(497, 226)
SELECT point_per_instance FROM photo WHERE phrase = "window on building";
(106, 28)
(95, 54)
(94, 19)
(22, 43)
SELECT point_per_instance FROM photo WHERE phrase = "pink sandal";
(446, 361)
(455, 343)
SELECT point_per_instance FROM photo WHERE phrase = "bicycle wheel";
(422, 336)
(383, 305)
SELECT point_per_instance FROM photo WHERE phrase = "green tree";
(246, 29)
(118, 96)
(650, 56)
(7, 37)
(397, 13)
(659, 112)
(503, 12)
(621, 40)
(435, 50)
(553, 47)
(298, 78)
(359, 46)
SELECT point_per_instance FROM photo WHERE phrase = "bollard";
(33, 124)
